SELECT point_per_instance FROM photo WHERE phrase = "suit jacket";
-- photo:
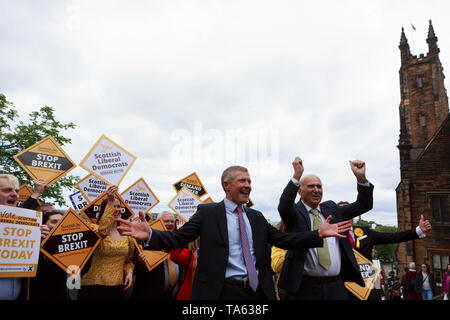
(296, 218)
(149, 285)
(210, 223)
(371, 237)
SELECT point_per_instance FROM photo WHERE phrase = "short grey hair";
(412, 265)
(229, 173)
(165, 212)
(12, 180)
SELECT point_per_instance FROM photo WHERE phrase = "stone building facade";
(424, 146)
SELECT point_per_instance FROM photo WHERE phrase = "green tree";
(386, 252)
(16, 135)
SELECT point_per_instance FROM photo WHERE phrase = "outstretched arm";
(309, 239)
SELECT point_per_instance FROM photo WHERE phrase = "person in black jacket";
(363, 239)
(425, 283)
(305, 275)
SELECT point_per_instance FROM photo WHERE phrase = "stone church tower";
(424, 146)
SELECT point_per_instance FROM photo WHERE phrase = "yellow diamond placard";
(153, 258)
(70, 243)
(193, 183)
(92, 210)
(45, 160)
(369, 273)
(140, 197)
(185, 203)
(91, 187)
(24, 193)
(108, 161)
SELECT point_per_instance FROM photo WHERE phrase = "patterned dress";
(111, 260)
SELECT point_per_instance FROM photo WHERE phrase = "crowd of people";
(226, 251)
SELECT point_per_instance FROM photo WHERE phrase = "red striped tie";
(352, 241)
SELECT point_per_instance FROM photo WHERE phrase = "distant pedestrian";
(409, 283)
(445, 282)
(425, 284)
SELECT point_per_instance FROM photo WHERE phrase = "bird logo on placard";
(105, 148)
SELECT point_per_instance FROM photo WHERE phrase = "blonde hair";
(12, 180)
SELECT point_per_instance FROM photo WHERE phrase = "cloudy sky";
(200, 85)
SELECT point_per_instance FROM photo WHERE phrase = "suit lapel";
(222, 220)
(304, 213)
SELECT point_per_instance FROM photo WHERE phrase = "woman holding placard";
(111, 270)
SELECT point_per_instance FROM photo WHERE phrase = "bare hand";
(138, 229)
(141, 258)
(334, 229)
(297, 164)
(179, 223)
(359, 170)
(128, 281)
(424, 225)
(110, 192)
(39, 187)
(45, 230)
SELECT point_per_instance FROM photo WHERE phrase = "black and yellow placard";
(20, 236)
(193, 183)
(70, 243)
(93, 209)
(108, 161)
(153, 258)
(24, 193)
(249, 203)
(369, 273)
(45, 160)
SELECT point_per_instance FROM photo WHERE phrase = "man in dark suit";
(363, 239)
(156, 284)
(319, 274)
(234, 257)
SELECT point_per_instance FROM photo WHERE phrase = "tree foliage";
(17, 135)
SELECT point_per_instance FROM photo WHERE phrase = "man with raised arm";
(234, 257)
(320, 273)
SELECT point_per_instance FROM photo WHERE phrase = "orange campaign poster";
(24, 193)
(108, 161)
(91, 187)
(20, 236)
(185, 203)
(92, 210)
(369, 273)
(70, 243)
(140, 197)
(45, 160)
(193, 183)
(153, 258)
